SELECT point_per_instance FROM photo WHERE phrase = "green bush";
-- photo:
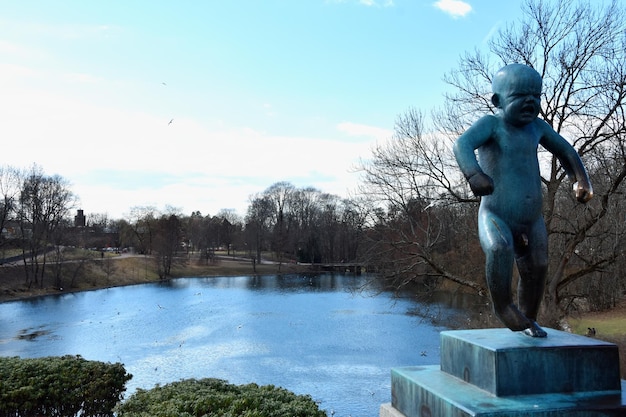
(60, 386)
(215, 397)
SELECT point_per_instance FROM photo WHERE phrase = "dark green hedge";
(215, 397)
(60, 386)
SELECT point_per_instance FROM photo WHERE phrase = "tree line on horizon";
(413, 219)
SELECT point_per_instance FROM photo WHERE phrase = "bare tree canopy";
(303, 224)
(44, 204)
(579, 50)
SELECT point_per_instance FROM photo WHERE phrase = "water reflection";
(313, 334)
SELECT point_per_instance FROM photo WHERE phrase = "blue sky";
(257, 91)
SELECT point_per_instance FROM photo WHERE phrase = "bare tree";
(304, 228)
(44, 203)
(259, 223)
(10, 186)
(231, 225)
(415, 229)
(99, 222)
(579, 49)
(195, 237)
(142, 220)
(125, 233)
(352, 223)
(280, 195)
(168, 233)
(303, 224)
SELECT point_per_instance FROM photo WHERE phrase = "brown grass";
(114, 271)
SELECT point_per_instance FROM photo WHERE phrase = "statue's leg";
(497, 242)
(532, 264)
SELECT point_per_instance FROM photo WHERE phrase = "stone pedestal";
(497, 372)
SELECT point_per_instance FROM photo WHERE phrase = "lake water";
(316, 335)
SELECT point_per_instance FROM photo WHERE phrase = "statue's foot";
(535, 331)
(516, 321)
(513, 318)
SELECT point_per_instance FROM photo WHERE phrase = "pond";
(318, 335)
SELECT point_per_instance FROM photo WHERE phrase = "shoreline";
(133, 270)
(139, 269)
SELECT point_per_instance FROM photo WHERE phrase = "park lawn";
(610, 323)
(614, 326)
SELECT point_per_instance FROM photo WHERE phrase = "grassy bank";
(610, 323)
(83, 271)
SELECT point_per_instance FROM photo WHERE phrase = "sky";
(200, 105)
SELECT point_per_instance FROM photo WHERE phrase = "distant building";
(79, 219)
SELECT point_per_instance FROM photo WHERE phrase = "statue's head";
(517, 93)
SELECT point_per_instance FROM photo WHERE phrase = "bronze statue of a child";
(506, 176)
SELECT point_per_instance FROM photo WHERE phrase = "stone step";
(426, 391)
(506, 363)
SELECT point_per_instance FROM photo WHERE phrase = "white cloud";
(117, 155)
(368, 3)
(198, 169)
(10, 48)
(9, 72)
(117, 158)
(356, 129)
(82, 78)
(455, 8)
(384, 3)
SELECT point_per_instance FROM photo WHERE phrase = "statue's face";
(520, 98)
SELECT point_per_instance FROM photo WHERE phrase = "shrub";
(215, 397)
(60, 386)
